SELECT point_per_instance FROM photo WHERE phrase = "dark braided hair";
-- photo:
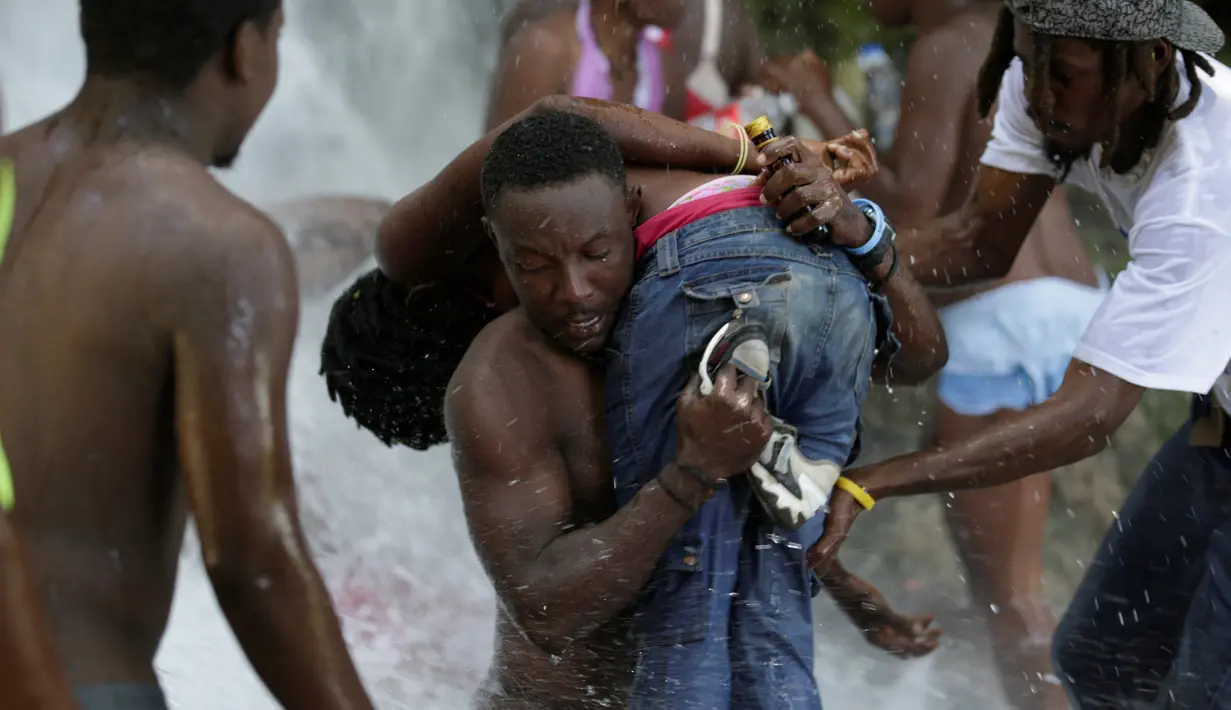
(390, 351)
(1119, 60)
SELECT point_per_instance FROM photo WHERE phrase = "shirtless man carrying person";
(531, 518)
(148, 317)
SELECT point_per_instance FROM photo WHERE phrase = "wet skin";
(541, 49)
(149, 318)
(523, 391)
(30, 672)
(929, 173)
(981, 240)
(537, 489)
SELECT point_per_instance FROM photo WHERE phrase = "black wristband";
(893, 269)
(701, 477)
(868, 262)
(662, 483)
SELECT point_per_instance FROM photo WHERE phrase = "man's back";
(86, 408)
(149, 317)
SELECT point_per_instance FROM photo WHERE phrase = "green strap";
(8, 196)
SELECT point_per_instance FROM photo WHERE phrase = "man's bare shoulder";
(201, 240)
(504, 380)
(500, 362)
(206, 218)
(529, 13)
(955, 49)
(548, 39)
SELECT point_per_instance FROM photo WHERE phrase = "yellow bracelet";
(860, 495)
(8, 202)
(742, 136)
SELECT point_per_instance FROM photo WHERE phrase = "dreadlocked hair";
(1119, 60)
(390, 351)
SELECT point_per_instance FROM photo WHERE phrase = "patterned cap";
(1178, 21)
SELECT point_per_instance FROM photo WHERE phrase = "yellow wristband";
(8, 200)
(860, 495)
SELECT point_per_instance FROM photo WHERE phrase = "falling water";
(363, 82)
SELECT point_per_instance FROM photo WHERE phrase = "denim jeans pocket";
(675, 606)
(762, 293)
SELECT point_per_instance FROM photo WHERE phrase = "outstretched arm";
(899, 634)
(1153, 331)
(30, 671)
(435, 228)
(1073, 424)
(231, 310)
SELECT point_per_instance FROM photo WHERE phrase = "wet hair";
(547, 149)
(1120, 59)
(390, 351)
(165, 42)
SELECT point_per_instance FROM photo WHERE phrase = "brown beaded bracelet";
(893, 269)
(662, 483)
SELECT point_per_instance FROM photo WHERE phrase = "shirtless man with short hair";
(148, 317)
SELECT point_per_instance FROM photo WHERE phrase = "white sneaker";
(791, 487)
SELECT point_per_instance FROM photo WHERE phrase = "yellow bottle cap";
(757, 126)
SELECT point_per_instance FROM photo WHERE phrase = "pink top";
(592, 75)
(693, 207)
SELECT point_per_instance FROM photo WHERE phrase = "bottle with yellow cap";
(761, 132)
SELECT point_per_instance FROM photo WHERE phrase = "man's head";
(562, 217)
(664, 13)
(225, 52)
(390, 351)
(1092, 66)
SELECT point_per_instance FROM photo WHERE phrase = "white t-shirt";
(1166, 322)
